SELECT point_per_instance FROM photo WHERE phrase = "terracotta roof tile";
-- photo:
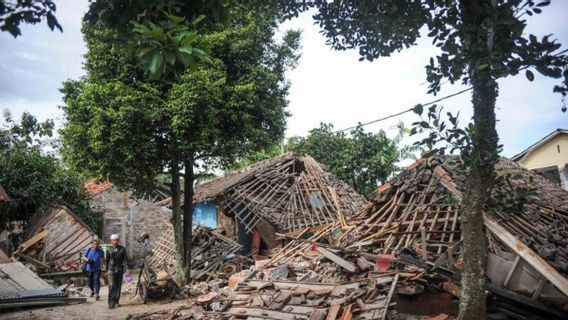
(95, 186)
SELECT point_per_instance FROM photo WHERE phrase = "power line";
(405, 111)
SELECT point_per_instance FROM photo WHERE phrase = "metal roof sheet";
(19, 282)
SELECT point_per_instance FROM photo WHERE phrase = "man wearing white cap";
(116, 266)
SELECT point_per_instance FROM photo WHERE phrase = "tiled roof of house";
(94, 186)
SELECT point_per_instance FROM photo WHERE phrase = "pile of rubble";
(407, 243)
(212, 254)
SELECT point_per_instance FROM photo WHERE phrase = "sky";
(326, 86)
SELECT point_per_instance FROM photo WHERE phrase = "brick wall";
(129, 217)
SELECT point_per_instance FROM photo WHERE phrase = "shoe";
(92, 294)
(97, 297)
(111, 306)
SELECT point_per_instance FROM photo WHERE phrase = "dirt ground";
(96, 310)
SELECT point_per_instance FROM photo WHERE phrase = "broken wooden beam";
(337, 259)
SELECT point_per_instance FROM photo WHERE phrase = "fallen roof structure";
(418, 212)
(54, 240)
(289, 191)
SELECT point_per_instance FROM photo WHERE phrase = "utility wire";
(405, 111)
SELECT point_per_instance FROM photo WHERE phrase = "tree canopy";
(13, 13)
(362, 159)
(127, 126)
(33, 179)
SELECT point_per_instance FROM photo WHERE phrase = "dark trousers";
(114, 287)
(95, 281)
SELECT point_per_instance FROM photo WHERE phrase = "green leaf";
(155, 63)
(170, 58)
(187, 49)
(197, 20)
(184, 58)
(418, 109)
(529, 75)
(145, 51)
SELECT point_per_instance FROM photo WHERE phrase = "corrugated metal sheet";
(18, 282)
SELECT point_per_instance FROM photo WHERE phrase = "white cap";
(114, 237)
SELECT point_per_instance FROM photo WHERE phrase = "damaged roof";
(433, 188)
(95, 187)
(18, 283)
(289, 191)
(66, 235)
(416, 215)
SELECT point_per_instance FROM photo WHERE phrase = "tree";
(12, 13)
(481, 41)
(129, 127)
(362, 159)
(36, 181)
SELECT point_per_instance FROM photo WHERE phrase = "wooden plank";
(318, 314)
(340, 216)
(347, 315)
(511, 271)
(527, 254)
(333, 311)
(257, 312)
(452, 289)
(337, 259)
(293, 285)
(32, 241)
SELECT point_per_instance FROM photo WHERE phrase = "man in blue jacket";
(93, 259)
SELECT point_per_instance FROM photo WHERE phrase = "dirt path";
(96, 310)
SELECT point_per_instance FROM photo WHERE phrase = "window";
(316, 201)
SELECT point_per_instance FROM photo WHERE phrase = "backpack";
(84, 264)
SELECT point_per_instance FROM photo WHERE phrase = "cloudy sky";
(327, 86)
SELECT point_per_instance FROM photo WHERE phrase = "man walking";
(93, 259)
(116, 266)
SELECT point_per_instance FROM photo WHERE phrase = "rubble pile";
(406, 243)
(212, 253)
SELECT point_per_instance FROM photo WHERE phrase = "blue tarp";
(205, 213)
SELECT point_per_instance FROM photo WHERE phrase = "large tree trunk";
(177, 221)
(479, 184)
(189, 178)
(480, 162)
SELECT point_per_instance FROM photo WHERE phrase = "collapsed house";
(54, 241)
(250, 206)
(412, 227)
(131, 217)
(285, 193)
